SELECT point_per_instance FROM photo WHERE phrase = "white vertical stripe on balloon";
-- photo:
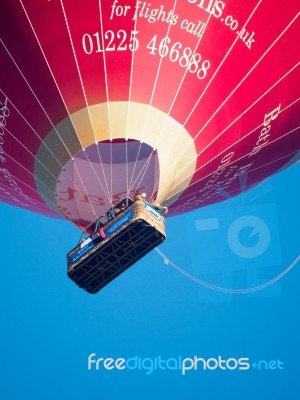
(107, 97)
(128, 108)
(83, 91)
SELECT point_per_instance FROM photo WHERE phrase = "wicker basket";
(130, 235)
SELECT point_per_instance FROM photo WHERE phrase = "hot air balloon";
(190, 101)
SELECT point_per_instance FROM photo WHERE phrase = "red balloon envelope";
(190, 101)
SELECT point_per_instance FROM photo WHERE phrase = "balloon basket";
(129, 237)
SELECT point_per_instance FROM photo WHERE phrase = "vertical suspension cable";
(83, 91)
(128, 108)
(151, 98)
(107, 95)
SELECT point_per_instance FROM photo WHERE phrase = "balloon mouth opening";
(116, 151)
(100, 175)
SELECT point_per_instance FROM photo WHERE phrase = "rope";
(167, 261)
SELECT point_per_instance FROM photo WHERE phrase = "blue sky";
(49, 327)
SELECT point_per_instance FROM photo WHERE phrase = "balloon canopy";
(190, 101)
